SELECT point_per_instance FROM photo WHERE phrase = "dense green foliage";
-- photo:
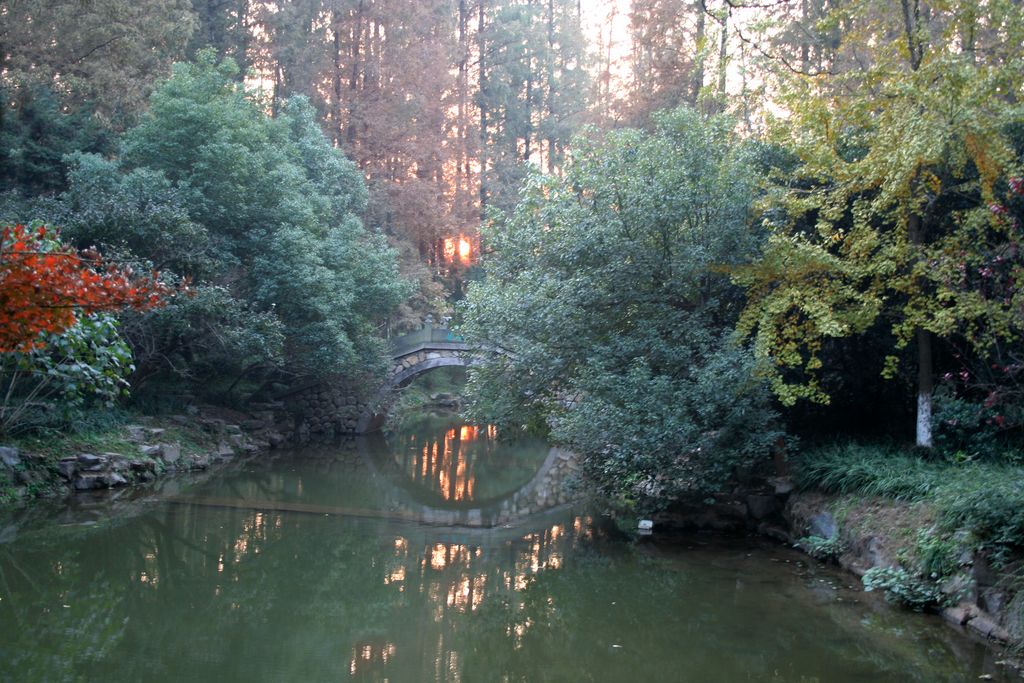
(894, 212)
(606, 304)
(48, 387)
(36, 135)
(903, 587)
(262, 214)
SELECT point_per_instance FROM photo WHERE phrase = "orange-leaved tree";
(46, 285)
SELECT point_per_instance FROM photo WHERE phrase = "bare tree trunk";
(336, 78)
(699, 37)
(723, 55)
(528, 131)
(353, 78)
(460, 151)
(551, 85)
(482, 47)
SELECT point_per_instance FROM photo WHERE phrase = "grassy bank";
(123, 448)
(985, 500)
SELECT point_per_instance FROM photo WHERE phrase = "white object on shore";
(645, 525)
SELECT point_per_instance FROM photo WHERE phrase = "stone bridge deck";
(345, 408)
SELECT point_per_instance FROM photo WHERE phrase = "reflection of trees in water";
(189, 593)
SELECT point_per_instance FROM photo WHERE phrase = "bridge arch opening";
(376, 413)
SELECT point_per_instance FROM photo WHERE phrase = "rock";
(8, 534)
(225, 451)
(201, 462)
(957, 616)
(154, 433)
(232, 429)
(776, 532)
(90, 481)
(761, 506)
(67, 466)
(139, 465)
(170, 453)
(985, 627)
(992, 601)
(823, 524)
(183, 420)
(150, 451)
(90, 462)
(960, 587)
(212, 425)
(275, 439)
(783, 485)
(253, 425)
(9, 456)
(136, 433)
(116, 461)
(114, 479)
(27, 476)
(983, 573)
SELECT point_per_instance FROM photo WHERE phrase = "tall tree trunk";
(482, 48)
(353, 78)
(699, 36)
(723, 54)
(925, 370)
(925, 388)
(244, 39)
(551, 85)
(607, 75)
(528, 123)
(460, 147)
(805, 48)
(336, 78)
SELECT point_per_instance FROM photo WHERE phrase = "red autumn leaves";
(46, 285)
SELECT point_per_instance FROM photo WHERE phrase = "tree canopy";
(606, 300)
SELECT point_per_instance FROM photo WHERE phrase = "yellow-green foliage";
(889, 206)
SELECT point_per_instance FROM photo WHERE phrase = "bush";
(821, 548)
(904, 588)
(977, 430)
(52, 385)
(607, 290)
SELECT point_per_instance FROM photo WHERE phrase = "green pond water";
(328, 564)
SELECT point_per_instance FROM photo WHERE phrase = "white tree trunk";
(924, 389)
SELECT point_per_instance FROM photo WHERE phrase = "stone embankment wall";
(880, 533)
(327, 409)
(867, 533)
(153, 452)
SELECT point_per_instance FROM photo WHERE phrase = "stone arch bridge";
(346, 408)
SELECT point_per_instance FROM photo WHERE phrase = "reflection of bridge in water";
(421, 588)
(549, 489)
